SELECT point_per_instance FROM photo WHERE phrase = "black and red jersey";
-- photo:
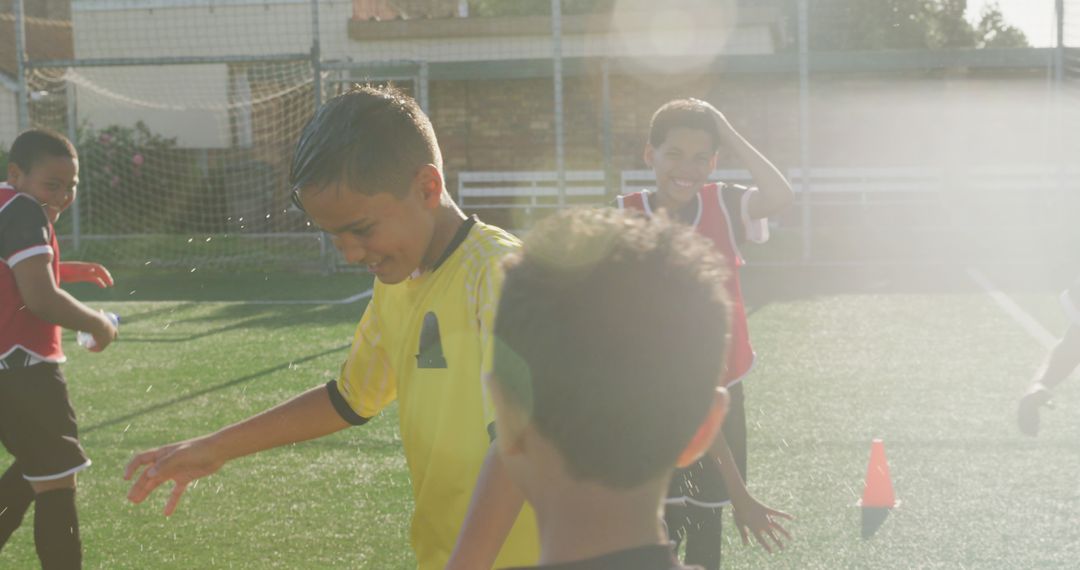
(713, 219)
(25, 232)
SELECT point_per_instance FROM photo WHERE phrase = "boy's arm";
(364, 387)
(495, 505)
(774, 192)
(749, 513)
(84, 272)
(496, 500)
(37, 287)
(307, 416)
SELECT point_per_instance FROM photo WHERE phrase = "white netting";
(183, 163)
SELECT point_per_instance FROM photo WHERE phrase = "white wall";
(188, 102)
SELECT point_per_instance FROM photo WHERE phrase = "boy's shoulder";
(22, 208)
(487, 244)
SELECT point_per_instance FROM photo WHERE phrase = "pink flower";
(105, 138)
(115, 181)
(137, 159)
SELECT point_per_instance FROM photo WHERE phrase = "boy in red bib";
(685, 136)
(37, 423)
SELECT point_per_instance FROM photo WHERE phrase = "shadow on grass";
(227, 384)
(254, 317)
(222, 286)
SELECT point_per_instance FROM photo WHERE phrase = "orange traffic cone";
(878, 496)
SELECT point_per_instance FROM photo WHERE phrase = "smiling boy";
(368, 171)
(37, 422)
(685, 136)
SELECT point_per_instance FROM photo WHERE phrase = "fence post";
(325, 254)
(422, 83)
(804, 128)
(556, 40)
(1059, 51)
(20, 66)
(73, 136)
(1060, 129)
(607, 135)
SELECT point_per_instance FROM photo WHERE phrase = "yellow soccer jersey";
(425, 342)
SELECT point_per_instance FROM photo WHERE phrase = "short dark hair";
(35, 144)
(611, 333)
(373, 138)
(683, 113)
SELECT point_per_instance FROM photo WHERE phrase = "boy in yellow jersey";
(367, 170)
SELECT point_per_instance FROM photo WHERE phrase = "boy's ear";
(707, 431)
(13, 174)
(649, 151)
(429, 183)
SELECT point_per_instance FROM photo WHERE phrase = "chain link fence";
(910, 137)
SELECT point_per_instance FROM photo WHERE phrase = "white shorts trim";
(688, 502)
(35, 358)
(71, 471)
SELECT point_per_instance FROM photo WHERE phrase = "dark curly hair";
(611, 333)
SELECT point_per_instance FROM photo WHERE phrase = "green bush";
(136, 181)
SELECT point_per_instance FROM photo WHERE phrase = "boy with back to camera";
(685, 136)
(588, 428)
(37, 422)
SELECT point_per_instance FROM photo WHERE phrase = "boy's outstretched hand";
(753, 517)
(83, 272)
(180, 463)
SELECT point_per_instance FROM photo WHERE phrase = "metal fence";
(916, 148)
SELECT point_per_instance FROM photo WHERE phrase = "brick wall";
(508, 124)
(404, 9)
(857, 120)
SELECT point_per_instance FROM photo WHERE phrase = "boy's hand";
(81, 272)
(180, 463)
(752, 516)
(104, 333)
(1028, 413)
(722, 122)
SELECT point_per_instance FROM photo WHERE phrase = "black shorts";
(701, 484)
(37, 423)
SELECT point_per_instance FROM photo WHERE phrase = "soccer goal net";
(184, 121)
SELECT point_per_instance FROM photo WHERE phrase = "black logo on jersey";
(430, 354)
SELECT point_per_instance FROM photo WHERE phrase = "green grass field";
(922, 359)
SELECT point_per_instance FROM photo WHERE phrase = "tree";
(992, 31)
(906, 24)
